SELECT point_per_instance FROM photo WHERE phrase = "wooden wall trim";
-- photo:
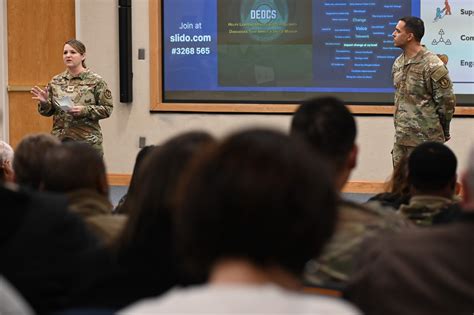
(363, 187)
(119, 179)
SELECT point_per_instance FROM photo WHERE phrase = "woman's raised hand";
(40, 94)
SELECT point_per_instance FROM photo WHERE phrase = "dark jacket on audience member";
(422, 271)
(43, 248)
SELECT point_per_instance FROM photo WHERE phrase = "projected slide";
(450, 30)
(265, 43)
(288, 50)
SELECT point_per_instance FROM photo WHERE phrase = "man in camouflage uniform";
(432, 178)
(86, 89)
(424, 98)
(328, 126)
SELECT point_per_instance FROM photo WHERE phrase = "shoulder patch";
(439, 73)
(444, 83)
(108, 94)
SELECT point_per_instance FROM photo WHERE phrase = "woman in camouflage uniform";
(90, 98)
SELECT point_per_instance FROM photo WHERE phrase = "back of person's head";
(72, 166)
(151, 203)
(6, 161)
(28, 161)
(260, 196)
(414, 25)
(125, 207)
(432, 167)
(328, 126)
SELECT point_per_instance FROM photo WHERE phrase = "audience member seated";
(397, 192)
(43, 248)
(6, 162)
(123, 206)
(146, 261)
(432, 178)
(11, 302)
(29, 158)
(251, 212)
(78, 170)
(329, 128)
(422, 271)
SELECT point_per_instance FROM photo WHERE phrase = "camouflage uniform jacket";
(424, 99)
(356, 224)
(86, 89)
(422, 209)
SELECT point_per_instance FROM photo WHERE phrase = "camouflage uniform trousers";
(399, 151)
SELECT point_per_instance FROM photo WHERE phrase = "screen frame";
(156, 86)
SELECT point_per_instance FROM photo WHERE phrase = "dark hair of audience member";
(125, 204)
(72, 166)
(147, 239)
(397, 189)
(28, 161)
(327, 125)
(431, 167)
(260, 196)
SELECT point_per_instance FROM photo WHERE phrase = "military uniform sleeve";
(47, 109)
(104, 103)
(444, 97)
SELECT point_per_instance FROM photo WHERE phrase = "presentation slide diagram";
(449, 27)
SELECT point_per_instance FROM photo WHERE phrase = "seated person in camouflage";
(432, 178)
(78, 170)
(328, 126)
(87, 91)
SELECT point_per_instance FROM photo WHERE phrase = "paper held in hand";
(65, 103)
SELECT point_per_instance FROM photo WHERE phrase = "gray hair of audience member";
(6, 158)
(73, 166)
(328, 126)
(28, 160)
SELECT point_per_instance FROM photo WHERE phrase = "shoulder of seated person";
(372, 213)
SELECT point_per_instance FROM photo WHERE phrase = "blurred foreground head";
(260, 196)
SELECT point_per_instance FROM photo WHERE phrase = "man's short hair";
(328, 126)
(72, 166)
(431, 166)
(29, 158)
(414, 25)
(260, 196)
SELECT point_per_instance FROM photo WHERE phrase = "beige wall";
(97, 26)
